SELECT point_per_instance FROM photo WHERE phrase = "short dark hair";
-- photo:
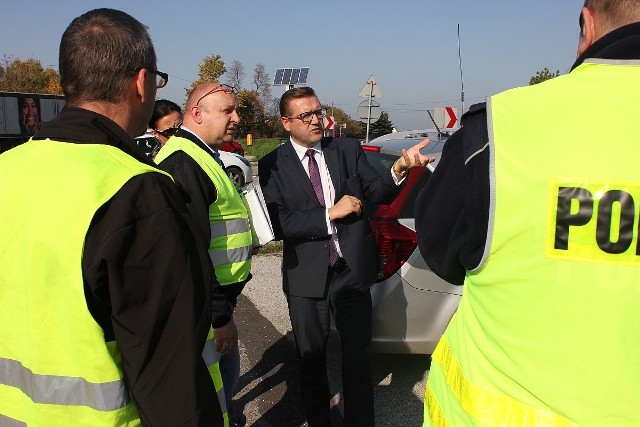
(614, 14)
(161, 108)
(291, 94)
(99, 53)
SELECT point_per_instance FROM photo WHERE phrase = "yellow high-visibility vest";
(231, 243)
(55, 367)
(546, 333)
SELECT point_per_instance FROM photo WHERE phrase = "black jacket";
(452, 210)
(299, 219)
(148, 283)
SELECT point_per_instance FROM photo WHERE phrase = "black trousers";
(310, 319)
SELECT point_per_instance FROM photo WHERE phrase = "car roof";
(395, 146)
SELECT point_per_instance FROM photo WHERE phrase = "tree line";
(257, 108)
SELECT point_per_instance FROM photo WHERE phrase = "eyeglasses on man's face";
(307, 116)
(168, 132)
(223, 87)
(161, 78)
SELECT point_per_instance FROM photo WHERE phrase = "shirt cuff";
(396, 180)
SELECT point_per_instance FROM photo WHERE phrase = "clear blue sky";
(410, 46)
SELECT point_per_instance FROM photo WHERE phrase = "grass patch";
(260, 147)
(271, 248)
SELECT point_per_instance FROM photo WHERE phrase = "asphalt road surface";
(268, 392)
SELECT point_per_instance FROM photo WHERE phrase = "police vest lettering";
(594, 222)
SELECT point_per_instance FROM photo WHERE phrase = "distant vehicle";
(146, 142)
(411, 305)
(236, 166)
(434, 134)
(232, 147)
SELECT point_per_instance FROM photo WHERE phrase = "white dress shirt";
(328, 190)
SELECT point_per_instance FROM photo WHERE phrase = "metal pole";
(369, 113)
(461, 80)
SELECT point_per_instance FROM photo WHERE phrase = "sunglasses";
(223, 87)
(168, 132)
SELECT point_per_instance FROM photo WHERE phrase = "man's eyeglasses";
(161, 78)
(223, 87)
(168, 132)
(307, 116)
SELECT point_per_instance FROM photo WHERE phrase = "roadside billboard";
(22, 113)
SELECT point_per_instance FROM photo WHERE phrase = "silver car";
(411, 305)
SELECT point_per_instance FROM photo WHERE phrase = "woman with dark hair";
(29, 115)
(164, 122)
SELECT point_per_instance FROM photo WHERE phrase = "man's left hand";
(226, 337)
(412, 158)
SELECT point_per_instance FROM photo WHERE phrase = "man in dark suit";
(314, 188)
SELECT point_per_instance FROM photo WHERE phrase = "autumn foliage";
(28, 75)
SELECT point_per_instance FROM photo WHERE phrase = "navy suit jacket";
(299, 219)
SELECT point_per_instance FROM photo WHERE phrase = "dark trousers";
(310, 319)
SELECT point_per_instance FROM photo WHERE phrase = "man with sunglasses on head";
(547, 330)
(104, 319)
(315, 188)
(191, 157)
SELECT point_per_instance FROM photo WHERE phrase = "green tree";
(543, 75)
(17, 75)
(353, 128)
(381, 127)
(251, 112)
(210, 70)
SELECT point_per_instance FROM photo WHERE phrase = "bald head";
(211, 113)
(600, 17)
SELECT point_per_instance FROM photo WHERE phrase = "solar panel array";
(291, 76)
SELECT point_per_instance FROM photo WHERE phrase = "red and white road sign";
(328, 122)
(451, 113)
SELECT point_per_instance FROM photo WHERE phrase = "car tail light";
(374, 148)
(395, 241)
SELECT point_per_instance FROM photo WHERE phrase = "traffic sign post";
(446, 117)
(370, 90)
(328, 124)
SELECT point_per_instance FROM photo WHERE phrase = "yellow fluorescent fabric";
(55, 367)
(231, 241)
(547, 328)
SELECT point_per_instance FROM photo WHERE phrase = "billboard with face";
(22, 113)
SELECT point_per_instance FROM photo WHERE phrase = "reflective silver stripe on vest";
(230, 255)
(222, 400)
(233, 226)
(211, 357)
(209, 354)
(10, 422)
(58, 390)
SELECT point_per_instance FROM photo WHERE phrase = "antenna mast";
(461, 80)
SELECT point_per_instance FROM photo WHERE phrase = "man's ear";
(285, 124)
(587, 32)
(196, 114)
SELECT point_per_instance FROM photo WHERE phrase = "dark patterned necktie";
(314, 176)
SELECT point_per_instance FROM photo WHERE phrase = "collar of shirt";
(302, 151)
(214, 152)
